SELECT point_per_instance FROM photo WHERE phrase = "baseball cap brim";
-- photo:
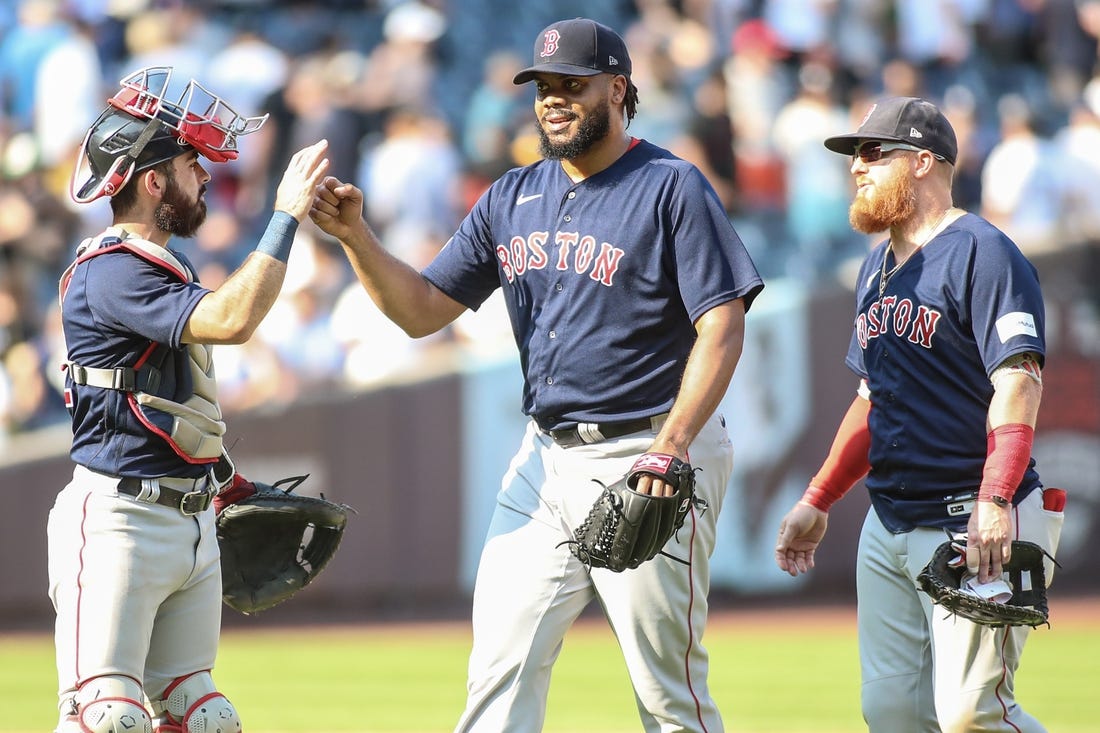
(847, 144)
(564, 69)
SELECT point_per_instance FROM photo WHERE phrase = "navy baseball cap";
(905, 120)
(577, 47)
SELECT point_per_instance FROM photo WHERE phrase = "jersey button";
(558, 287)
(553, 334)
(893, 444)
(549, 380)
(567, 217)
(572, 194)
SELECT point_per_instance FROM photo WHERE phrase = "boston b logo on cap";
(577, 47)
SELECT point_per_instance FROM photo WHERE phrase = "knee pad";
(192, 705)
(109, 704)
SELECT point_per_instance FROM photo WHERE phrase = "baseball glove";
(625, 528)
(1025, 574)
(274, 543)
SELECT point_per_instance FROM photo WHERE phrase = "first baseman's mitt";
(1025, 574)
(625, 528)
(274, 543)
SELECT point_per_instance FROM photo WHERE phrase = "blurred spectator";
(818, 182)
(1022, 179)
(410, 182)
(975, 140)
(402, 71)
(36, 233)
(937, 38)
(707, 138)
(69, 91)
(1078, 146)
(22, 49)
(757, 89)
(497, 107)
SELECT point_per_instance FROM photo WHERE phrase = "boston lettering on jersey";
(900, 316)
(575, 252)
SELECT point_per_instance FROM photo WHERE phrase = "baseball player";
(627, 288)
(948, 345)
(133, 558)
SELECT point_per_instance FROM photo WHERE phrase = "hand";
(337, 208)
(989, 540)
(800, 533)
(238, 489)
(303, 173)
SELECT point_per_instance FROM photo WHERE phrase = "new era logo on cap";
(577, 47)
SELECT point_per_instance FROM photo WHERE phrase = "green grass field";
(781, 672)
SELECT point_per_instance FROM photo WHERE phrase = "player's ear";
(619, 86)
(926, 163)
(152, 182)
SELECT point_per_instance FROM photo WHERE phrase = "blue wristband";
(279, 236)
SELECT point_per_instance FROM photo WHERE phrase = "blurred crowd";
(416, 100)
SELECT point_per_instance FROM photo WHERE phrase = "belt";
(586, 433)
(155, 491)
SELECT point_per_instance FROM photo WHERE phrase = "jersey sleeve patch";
(1016, 323)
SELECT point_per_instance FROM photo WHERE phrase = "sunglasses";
(873, 150)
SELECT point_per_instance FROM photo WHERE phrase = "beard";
(593, 128)
(177, 215)
(890, 203)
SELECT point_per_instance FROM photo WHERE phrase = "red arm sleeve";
(847, 461)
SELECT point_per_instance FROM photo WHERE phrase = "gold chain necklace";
(885, 276)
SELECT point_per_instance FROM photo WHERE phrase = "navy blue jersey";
(948, 317)
(603, 279)
(116, 305)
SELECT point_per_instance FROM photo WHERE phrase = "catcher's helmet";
(140, 128)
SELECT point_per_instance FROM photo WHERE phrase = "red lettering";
(505, 263)
(607, 264)
(873, 324)
(901, 317)
(565, 240)
(924, 326)
(519, 255)
(584, 254)
(536, 244)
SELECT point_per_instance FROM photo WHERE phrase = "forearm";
(231, 314)
(1013, 411)
(706, 378)
(399, 291)
(848, 460)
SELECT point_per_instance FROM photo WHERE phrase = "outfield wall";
(421, 460)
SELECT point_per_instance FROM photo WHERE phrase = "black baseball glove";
(625, 528)
(274, 543)
(942, 577)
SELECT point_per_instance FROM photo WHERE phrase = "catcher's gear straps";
(191, 703)
(106, 705)
(197, 428)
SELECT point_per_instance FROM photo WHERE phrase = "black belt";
(588, 433)
(188, 502)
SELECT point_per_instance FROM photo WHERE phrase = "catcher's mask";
(141, 128)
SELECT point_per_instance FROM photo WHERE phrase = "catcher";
(133, 555)
(948, 345)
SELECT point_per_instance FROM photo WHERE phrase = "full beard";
(178, 216)
(890, 203)
(592, 129)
